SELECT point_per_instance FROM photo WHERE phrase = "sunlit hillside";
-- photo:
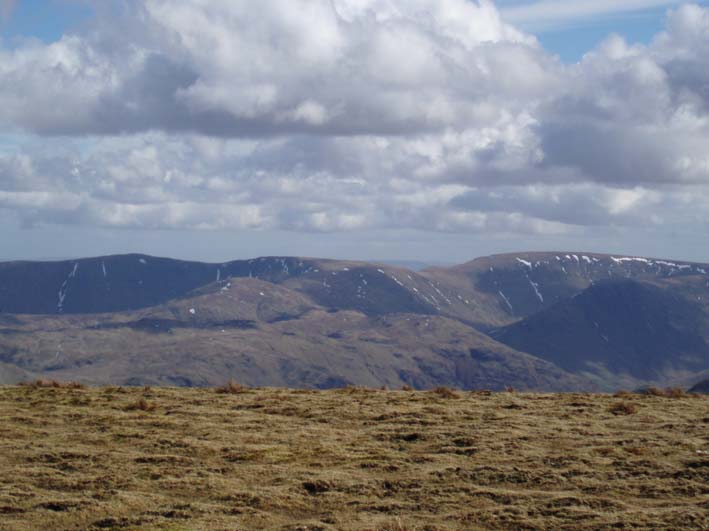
(351, 459)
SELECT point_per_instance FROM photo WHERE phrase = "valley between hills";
(529, 321)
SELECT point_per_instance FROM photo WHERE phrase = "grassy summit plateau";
(351, 459)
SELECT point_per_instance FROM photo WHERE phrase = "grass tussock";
(355, 389)
(670, 392)
(445, 392)
(52, 384)
(118, 390)
(654, 391)
(395, 525)
(623, 408)
(635, 450)
(231, 388)
(141, 405)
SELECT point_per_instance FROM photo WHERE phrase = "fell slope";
(701, 387)
(266, 334)
(618, 330)
(10, 374)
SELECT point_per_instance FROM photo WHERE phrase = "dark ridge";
(122, 282)
(620, 326)
(132, 282)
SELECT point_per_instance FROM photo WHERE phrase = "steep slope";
(515, 286)
(701, 387)
(266, 334)
(94, 285)
(10, 374)
(618, 330)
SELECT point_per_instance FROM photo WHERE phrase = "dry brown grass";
(54, 384)
(654, 391)
(280, 460)
(445, 392)
(231, 388)
(141, 405)
(675, 392)
(670, 392)
(623, 408)
(395, 525)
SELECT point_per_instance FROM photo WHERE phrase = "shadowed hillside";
(617, 329)
(701, 387)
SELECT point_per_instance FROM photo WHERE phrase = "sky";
(423, 130)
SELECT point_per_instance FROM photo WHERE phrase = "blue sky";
(46, 20)
(572, 35)
(572, 41)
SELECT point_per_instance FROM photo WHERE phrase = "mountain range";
(532, 321)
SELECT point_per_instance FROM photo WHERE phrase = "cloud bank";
(336, 115)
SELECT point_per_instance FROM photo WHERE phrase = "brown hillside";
(265, 334)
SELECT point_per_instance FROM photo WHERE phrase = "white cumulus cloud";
(340, 115)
